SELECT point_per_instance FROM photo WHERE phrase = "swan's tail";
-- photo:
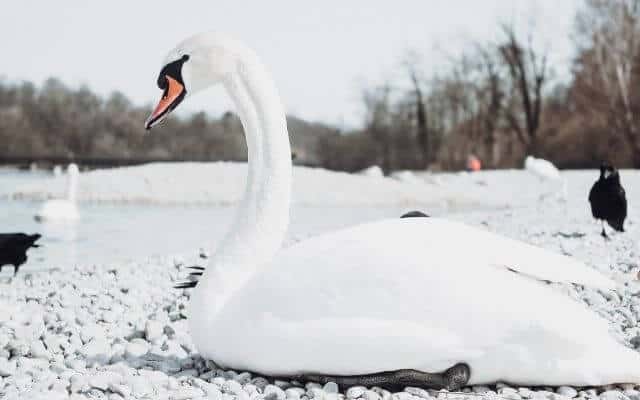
(193, 278)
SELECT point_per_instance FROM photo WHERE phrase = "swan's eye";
(163, 82)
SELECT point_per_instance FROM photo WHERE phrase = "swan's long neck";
(72, 187)
(263, 215)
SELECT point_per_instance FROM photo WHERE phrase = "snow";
(222, 183)
(405, 176)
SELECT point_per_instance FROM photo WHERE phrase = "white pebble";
(136, 348)
(316, 393)
(231, 386)
(91, 331)
(330, 387)
(273, 390)
(417, 392)
(185, 393)
(7, 368)
(294, 393)
(38, 350)
(567, 391)
(102, 380)
(401, 396)
(212, 391)
(153, 330)
(121, 389)
(371, 395)
(96, 351)
(613, 395)
(4, 340)
(355, 392)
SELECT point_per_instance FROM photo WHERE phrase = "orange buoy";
(473, 164)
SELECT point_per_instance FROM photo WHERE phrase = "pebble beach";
(119, 330)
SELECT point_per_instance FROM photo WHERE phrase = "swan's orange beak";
(174, 93)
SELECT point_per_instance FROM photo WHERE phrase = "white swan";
(373, 171)
(541, 168)
(62, 209)
(545, 170)
(413, 293)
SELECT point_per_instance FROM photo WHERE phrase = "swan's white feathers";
(58, 209)
(542, 168)
(62, 209)
(419, 293)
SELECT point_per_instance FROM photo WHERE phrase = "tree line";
(61, 123)
(498, 101)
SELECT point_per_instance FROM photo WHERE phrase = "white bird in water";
(62, 209)
(394, 303)
(546, 171)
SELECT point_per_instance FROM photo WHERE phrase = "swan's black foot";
(452, 379)
(604, 234)
(457, 376)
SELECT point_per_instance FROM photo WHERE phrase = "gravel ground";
(120, 332)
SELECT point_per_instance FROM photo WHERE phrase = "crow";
(608, 199)
(14, 247)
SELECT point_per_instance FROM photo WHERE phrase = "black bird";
(14, 247)
(608, 199)
(414, 214)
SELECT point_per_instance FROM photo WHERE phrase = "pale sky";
(321, 52)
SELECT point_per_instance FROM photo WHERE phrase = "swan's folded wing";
(525, 258)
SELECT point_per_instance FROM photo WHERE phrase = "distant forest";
(498, 101)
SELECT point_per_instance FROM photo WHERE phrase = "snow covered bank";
(223, 183)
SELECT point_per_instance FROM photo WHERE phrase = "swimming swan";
(403, 301)
(62, 209)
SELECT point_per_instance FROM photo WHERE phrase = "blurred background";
(408, 85)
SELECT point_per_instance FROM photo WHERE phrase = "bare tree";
(609, 33)
(412, 65)
(378, 121)
(490, 94)
(528, 74)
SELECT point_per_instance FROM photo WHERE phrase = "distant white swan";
(545, 170)
(382, 301)
(62, 209)
(541, 168)
(373, 172)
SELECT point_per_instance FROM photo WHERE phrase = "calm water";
(118, 233)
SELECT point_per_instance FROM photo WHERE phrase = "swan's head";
(73, 170)
(195, 64)
(528, 161)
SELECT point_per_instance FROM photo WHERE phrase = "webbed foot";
(452, 379)
(457, 376)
